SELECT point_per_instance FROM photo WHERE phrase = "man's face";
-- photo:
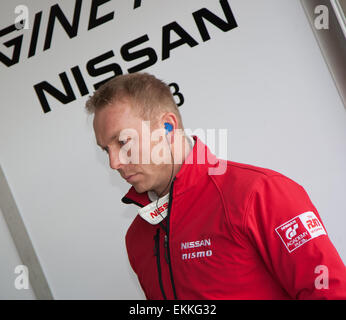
(109, 123)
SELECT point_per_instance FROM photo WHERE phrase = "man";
(208, 228)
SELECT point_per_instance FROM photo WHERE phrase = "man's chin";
(139, 188)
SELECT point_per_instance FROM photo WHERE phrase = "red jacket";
(250, 233)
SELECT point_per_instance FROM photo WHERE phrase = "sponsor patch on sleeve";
(299, 230)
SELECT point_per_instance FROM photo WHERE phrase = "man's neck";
(187, 146)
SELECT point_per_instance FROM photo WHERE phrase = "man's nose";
(114, 161)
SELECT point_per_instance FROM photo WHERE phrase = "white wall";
(265, 81)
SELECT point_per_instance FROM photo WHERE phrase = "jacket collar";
(192, 170)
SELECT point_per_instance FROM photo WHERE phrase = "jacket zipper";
(167, 240)
(167, 254)
(157, 254)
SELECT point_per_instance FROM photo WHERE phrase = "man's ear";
(169, 122)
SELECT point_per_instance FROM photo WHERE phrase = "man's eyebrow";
(111, 139)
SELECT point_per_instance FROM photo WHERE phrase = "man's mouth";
(129, 177)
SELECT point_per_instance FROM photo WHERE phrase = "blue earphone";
(168, 127)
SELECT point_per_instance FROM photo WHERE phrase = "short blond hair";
(150, 96)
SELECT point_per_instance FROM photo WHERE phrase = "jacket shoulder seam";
(226, 213)
(254, 189)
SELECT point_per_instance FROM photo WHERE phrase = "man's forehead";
(108, 124)
(109, 116)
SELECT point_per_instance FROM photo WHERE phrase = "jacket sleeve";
(286, 229)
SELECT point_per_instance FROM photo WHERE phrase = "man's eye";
(123, 142)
